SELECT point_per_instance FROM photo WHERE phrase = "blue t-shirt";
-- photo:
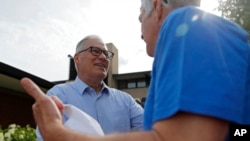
(201, 66)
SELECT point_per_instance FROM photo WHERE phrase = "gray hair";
(83, 41)
(147, 5)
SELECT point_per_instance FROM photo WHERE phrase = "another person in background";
(200, 79)
(115, 110)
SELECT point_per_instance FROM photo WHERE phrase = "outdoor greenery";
(17, 133)
(237, 11)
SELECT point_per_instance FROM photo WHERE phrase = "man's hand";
(46, 109)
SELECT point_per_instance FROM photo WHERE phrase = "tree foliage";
(237, 11)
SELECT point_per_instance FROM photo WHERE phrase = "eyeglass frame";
(105, 52)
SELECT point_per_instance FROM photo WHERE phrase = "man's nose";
(102, 55)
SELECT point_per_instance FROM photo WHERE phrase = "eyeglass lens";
(97, 51)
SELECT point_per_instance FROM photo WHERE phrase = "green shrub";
(17, 133)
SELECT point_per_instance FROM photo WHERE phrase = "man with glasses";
(115, 111)
(200, 78)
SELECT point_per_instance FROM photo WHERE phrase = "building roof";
(10, 79)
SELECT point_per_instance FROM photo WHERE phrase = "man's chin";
(150, 54)
(102, 73)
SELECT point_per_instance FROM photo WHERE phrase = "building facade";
(136, 84)
(15, 103)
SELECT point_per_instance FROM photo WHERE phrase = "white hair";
(147, 5)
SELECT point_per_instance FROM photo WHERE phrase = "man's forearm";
(69, 135)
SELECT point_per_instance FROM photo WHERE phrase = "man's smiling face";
(89, 65)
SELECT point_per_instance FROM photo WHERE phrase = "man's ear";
(76, 57)
(158, 10)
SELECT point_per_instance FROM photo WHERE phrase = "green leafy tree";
(237, 11)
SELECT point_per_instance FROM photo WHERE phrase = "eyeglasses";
(97, 52)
